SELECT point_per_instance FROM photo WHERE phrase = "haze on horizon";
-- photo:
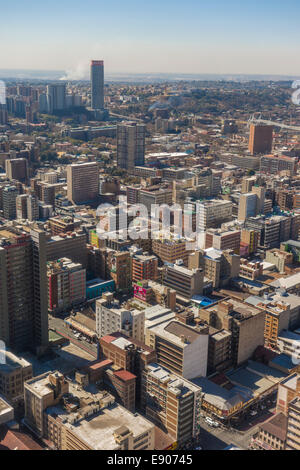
(195, 36)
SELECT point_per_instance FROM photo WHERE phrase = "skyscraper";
(83, 182)
(260, 139)
(247, 206)
(131, 145)
(23, 290)
(16, 169)
(9, 196)
(3, 114)
(56, 97)
(97, 83)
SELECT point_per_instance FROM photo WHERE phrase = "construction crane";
(259, 120)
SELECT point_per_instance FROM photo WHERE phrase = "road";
(60, 327)
(219, 438)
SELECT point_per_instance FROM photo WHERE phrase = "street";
(219, 438)
(58, 325)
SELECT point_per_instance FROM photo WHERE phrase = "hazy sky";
(191, 36)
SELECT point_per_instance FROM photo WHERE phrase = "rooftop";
(177, 333)
(12, 362)
(276, 426)
(218, 396)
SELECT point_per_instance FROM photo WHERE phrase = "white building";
(110, 318)
(213, 213)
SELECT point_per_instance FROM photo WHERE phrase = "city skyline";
(166, 38)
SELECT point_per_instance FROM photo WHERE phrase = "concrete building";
(66, 285)
(144, 267)
(289, 344)
(212, 213)
(23, 302)
(180, 348)
(272, 230)
(172, 403)
(248, 183)
(247, 206)
(260, 139)
(56, 97)
(170, 249)
(130, 145)
(60, 225)
(223, 240)
(9, 197)
(27, 207)
(272, 164)
(250, 239)
(70, 245)
(151, 292)
(111, 318)
(157, 315)
(97, 83)
(154, 195)
(83, 182)
(58, 411)
(290, 302)
(16, 169)
(290, 284)
(219, 350)
(14, 372)
(21, 206)
(184, 281)
(128, 354)
(293, 426)
(218, 401)
(250, 269)
(246, 324)
(279, 258)
(219, 266)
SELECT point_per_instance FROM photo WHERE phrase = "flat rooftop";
(177, 385)
(174, 331)
(12, 362)
(97, 431)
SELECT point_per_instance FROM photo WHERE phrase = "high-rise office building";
(23, 290)
(16, 169)
(260, 139)
(172, 403)
(21, 206)
(260, 192)
(97, 83)
(212, 213)
(32, 208)
(3, 114)
(247, 206)
(56, 97)
(9, 196)
(83, 182)
(131, 145)
(66, 284)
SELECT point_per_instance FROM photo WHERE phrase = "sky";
(154, 36)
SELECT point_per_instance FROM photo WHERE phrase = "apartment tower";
(97, 83)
